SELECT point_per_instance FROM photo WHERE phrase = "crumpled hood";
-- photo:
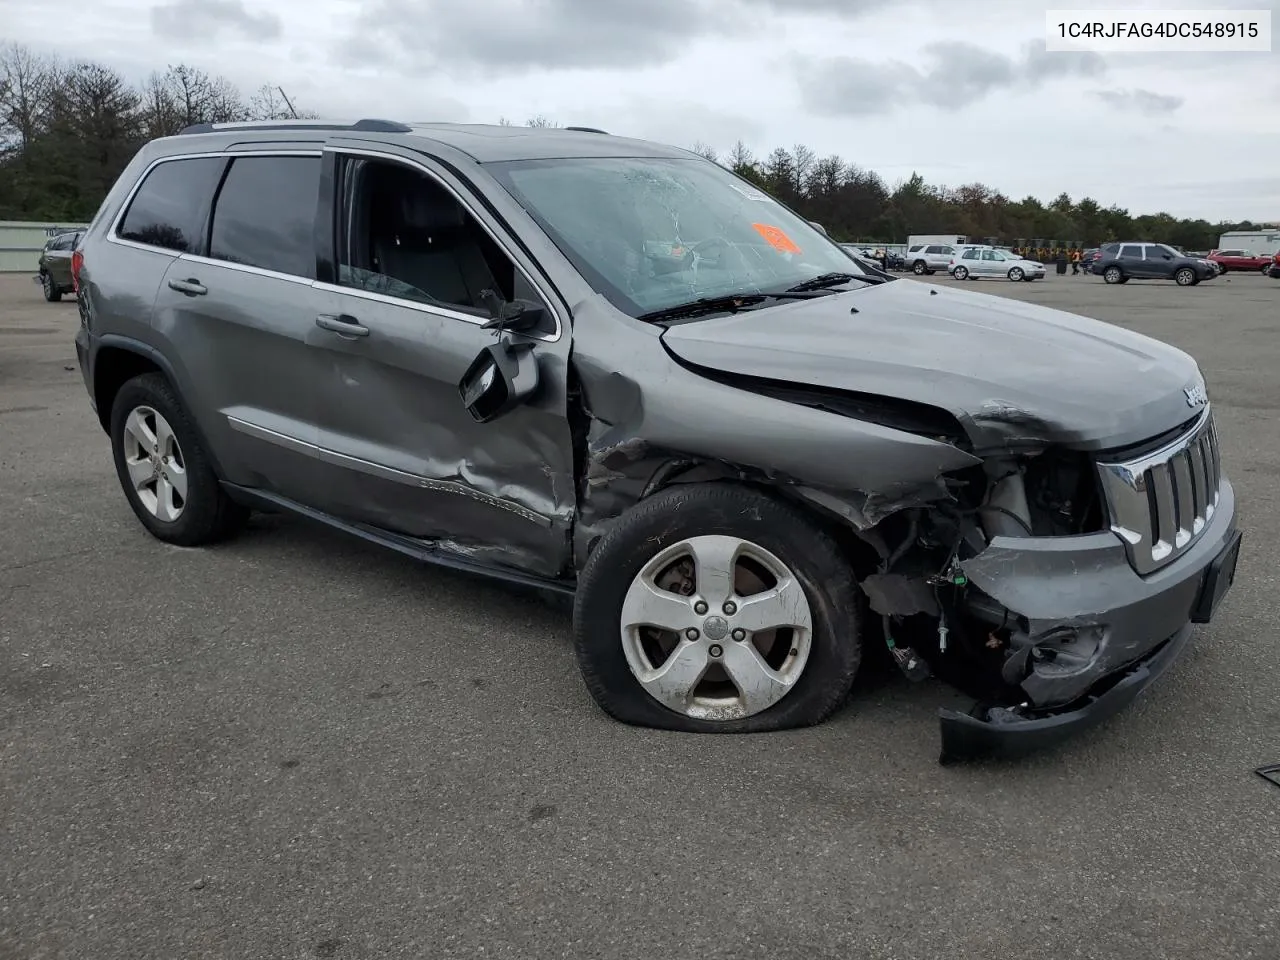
(1013, 373)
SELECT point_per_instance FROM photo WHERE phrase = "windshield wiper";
(730, 303)
(833, 280)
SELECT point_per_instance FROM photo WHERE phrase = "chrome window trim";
(248, 268)
(417, 305)
(382, 471)
(550, 301)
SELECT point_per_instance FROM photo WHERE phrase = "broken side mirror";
(518, 316)
(502, 376)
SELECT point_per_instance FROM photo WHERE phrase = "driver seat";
(431, 247)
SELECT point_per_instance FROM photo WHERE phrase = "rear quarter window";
(265, 213)
(168, 208)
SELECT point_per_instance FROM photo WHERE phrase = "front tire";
(717, 609)
(1185, 277)
(163, 468)
(919, 268)
(1016, 274)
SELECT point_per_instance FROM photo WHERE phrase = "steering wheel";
(698, 248)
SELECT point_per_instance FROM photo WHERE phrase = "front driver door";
(397, 448)
(1158, 263)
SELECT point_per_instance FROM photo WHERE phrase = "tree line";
(68, 128)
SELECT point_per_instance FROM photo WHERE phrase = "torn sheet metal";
(1078, 609)
(632, 435)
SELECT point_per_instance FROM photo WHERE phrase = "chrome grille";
(1160, 503)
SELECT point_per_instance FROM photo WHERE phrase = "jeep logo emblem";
(1196, 395)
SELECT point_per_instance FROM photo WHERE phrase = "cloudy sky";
(958, 90)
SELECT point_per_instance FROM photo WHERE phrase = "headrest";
(428, 210)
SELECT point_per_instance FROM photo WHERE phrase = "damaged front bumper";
(1092, 632)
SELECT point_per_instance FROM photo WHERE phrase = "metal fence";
(21, 243)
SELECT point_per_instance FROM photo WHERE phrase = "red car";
(1273, 270)
(1241, 260)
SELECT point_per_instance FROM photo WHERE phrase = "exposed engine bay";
(934, 620)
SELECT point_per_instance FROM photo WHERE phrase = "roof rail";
(588, 130)
(368, 125)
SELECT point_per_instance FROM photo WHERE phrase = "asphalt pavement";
(295, 745)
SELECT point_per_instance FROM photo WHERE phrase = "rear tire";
(1113, 275)
(960, 273)
(626, 569)
(51, 291)
(182, 503)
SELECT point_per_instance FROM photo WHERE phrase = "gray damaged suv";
(610, 368)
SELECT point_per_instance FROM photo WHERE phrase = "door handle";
(344, 325)
(191, 287)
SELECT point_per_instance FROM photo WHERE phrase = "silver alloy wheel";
(1112, 275)
(1184, 277)
(1015, 274)
(716, 628)
(155, 464)
(961, 273)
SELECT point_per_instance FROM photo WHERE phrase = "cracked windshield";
(650, 234)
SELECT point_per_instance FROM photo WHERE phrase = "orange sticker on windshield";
(776, 238)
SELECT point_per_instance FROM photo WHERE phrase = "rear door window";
(168, 209)
(265, 215)
(1131, 250)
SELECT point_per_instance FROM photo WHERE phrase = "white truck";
(1263, 243)
(947, 239)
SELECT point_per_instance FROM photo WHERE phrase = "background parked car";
(929, 258)
(1240, 260)
(55, 265)
(1273, 271)
(1122, 262)
(973, 263)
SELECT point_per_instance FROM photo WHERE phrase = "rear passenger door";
(238, 313)
(1131, 261)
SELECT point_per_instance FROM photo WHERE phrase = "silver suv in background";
(929, 258)
(612, 369)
